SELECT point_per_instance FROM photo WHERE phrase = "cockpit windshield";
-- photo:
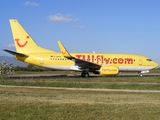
(149, 60)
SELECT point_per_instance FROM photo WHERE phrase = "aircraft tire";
(141, 75)
(85, 74)
(82, 74)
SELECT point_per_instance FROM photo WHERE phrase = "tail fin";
(22, 40)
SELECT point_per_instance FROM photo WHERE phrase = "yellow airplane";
(104, 64)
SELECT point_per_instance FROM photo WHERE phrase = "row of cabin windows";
(59, 59)
(69, 59)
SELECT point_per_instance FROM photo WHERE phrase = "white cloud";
(80, 26)
(31, 3)
(9, 46)
(61, 18)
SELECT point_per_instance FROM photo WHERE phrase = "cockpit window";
(148, 59)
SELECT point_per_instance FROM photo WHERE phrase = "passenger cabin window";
(149, 60)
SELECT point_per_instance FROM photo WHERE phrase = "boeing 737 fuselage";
(104, 64)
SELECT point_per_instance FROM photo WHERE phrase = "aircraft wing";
(15, 53)
(83, 64)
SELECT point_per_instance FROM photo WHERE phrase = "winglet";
(64, 51)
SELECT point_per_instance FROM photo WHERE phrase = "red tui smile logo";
(21, 45)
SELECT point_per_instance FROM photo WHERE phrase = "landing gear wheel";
(140, 74)
(82, 74)
(85, 74)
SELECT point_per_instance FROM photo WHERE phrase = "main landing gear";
(85, 74)
(140, 74)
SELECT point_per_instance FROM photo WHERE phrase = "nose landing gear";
(140, 74)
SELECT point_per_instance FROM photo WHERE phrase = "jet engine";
(109, 70)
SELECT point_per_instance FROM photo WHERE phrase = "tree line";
(8, 69)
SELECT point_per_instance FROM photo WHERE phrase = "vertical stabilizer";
(23, 41)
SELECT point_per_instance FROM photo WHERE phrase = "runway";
(78, 75)
(85, 89)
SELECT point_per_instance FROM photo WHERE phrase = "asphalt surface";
(78, 75)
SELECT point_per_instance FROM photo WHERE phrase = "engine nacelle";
(147, 71)
(109, 70)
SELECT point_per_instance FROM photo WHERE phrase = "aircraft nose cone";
(155, 64)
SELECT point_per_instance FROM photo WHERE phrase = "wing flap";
(86, 64)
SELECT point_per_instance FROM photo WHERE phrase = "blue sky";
(108, 26)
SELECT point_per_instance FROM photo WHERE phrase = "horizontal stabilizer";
(15, 53)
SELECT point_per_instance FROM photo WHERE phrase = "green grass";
(138, 83)
(35, 104)
(17, 103)
(87, 85)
